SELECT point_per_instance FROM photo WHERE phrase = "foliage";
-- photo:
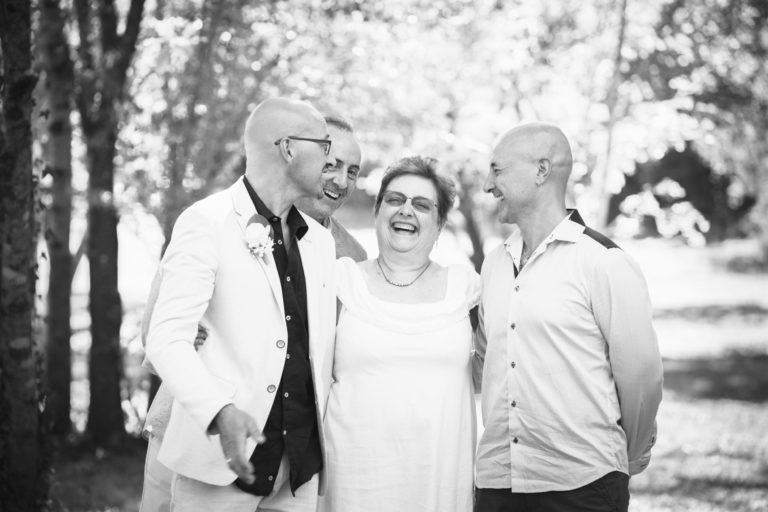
(710, 57)
(442, 78)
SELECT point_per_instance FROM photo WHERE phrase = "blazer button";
(280, 344)
(271, 388)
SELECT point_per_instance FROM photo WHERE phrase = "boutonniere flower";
(258, 237)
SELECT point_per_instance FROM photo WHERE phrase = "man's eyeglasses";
(398, 199)
(326, 143)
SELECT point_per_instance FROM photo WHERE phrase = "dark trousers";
(607, 494)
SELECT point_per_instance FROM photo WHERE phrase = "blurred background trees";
(140, 110)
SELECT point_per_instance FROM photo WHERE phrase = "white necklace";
(402, 285)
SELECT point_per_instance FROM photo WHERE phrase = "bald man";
(245, 431)
(339, 183)
(571, 380)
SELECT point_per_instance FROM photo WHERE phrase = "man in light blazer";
(339, 183)
(258, 275)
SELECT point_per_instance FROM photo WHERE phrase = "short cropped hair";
(423, 167)
(339, 122)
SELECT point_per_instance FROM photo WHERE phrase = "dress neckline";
(446, 294)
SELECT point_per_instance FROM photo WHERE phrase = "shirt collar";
(568, 230)
(296, 223)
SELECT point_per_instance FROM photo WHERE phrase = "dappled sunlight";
(139, 111)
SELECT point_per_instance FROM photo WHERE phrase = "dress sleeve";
(344, 278)
(470, 285)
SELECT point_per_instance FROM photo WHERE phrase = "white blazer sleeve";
(188, 273)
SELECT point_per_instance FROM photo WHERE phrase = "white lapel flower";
(258, 238)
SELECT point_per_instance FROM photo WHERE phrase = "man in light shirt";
(568, 359)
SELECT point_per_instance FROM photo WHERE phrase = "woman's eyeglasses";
(398, 199)
(326, 143)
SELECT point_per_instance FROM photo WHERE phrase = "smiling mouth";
(402, 227)
(334, 196)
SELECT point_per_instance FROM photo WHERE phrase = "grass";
(91, 480)
(712, 450)
(712, 455)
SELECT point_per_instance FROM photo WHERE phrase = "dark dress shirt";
(291, 428)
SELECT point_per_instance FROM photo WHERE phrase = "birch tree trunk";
(22, 463)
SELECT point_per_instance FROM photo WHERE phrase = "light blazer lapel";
(244, 211)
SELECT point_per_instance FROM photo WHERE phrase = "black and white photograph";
(384, 256)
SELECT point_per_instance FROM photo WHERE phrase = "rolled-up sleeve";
(623, 312)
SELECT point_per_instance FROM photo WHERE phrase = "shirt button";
(270, 478)
(286, 395)
(287, 318)
(288, 278)
(279, 242)
(280, 343)
(512, 325)
(517, 288)
(285, 432)
(514, 440)
(287, 356)
(514, 403)
(271, 388)
(512, 364)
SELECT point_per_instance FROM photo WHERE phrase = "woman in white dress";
(400, 422)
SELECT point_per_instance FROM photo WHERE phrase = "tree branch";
(78, 256)
(83, 13)
(127, 40)
(108, 22)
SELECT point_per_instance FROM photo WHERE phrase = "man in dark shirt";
(339, 183)
(247, 265)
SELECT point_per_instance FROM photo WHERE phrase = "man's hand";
(202, 335)
(235, 426)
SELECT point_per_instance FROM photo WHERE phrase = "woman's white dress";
(400, 423)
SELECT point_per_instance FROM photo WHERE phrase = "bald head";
(287, 149)
(275, 118)
(539, 141)
(528, 173)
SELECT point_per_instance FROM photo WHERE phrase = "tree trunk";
(104, 56)
(106, 425)
(184, 130)
(611, 102)
(760, 213)
(59, 82)
(467, 209)
(22, 461)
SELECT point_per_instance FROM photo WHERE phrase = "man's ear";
(543, 170)
(285, 149)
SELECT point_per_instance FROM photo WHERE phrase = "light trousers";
(188, 495)
(156, 492)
